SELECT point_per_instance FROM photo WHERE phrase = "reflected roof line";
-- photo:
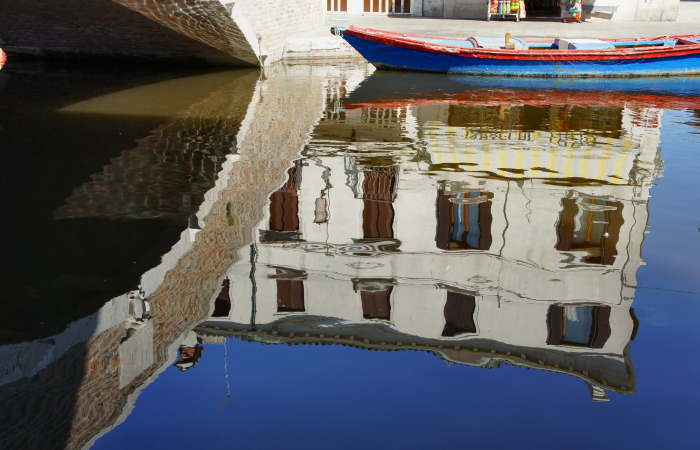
(475, 352)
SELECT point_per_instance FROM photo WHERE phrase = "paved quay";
(318, 44)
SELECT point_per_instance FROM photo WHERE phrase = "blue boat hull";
(385, 56)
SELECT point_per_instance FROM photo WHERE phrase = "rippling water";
(327, 256)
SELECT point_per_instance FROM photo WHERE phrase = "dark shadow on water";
(93, 161)
(96, 191)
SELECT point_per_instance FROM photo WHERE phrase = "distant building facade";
(655, 10)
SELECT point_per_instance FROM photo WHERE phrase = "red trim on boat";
(405, 41)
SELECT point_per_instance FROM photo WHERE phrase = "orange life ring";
(3, 58)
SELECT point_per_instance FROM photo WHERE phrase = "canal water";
(325, 256)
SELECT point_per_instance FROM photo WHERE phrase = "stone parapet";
(274, 21)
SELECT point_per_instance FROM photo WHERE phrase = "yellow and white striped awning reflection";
(536, 154)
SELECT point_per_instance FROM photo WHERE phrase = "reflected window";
(284, 204)
(290, 294)
(222, 304)
(375, 304)
(464, 220)
(590, 225)
(378, 190)
(584, 326)
(459, 314)
(375, 294)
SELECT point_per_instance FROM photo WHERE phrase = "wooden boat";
(655, 56)
(3, 58)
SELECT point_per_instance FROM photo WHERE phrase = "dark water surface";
(331, 257)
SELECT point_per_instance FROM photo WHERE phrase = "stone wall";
(274, 21)
(640, 10)
(473, 9)
(64, 403)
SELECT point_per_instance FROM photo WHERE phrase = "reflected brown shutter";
(601, 326)
(290, 295)
(378, 219)
(224, 294)
(284, 211)
(284, 205)
(222, 304)
(615, 221)
(565, 229)
(222, 307)
(378, 211)
(375, 304)
(459, 314)
(444, 221)
(555, 325)
(378, 184)
(485, 225)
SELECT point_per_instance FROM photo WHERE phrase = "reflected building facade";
(468, 231)
(79, 384)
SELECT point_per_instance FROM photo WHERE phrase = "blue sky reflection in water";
(335, 396)
(455, 261)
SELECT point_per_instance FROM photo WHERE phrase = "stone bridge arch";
(226, 32)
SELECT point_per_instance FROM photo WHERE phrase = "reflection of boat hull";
(396, 89)
(387, 50)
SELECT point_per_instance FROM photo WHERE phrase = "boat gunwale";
(403, 40)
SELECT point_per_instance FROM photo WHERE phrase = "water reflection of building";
(69, 389)
(522, 251)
